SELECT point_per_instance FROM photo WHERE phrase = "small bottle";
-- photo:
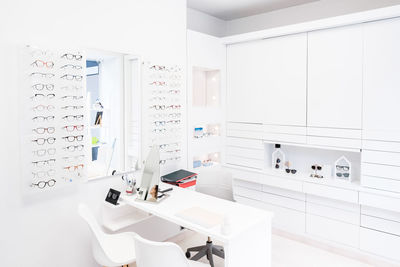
(278, 158)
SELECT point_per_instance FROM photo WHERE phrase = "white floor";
(285, 253)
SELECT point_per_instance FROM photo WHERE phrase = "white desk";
(248, 244)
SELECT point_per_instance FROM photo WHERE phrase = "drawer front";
(331, 192)
(381, 183)
(381, 244)
(332, 132)
(334, 142)
(340, 232)
(248, 193)
(382, 135)
(351, 207)
(284, 183)
(285, 202)
(284, 193)
(244, 134)
(378, 157)
(246, 176)
(254, 127)
(244, 162)
(381, 146)
(333, 213)
(245, 143)
(245, 152)
(381, 202)
(386, 226)
(285, 138)
(249, 185)
(377, 170)
(284, 129)
(380, 213)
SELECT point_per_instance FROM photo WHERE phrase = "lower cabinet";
(379, 243)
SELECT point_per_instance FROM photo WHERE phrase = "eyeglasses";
(74, 168)
(42, 130)
(43, 152)
(74, 148)
(342, 168)
(42, 141)
(41, 86)
(158, 107)
(72, 107)
(71, 87)
(42, 75)
(42, 118)
(71, 77)
(41, 63)
(160, 123)
(158, 98)
(71, 159)
(43, 174)
(174, 91)
(174, 115)
(173, 107)
(71, 56)
(73, 117)
(42, 184)
(70, 66)
(163, 130)
(158, 83)
(71, 128)
(42, 96)
(72, 97)
(174, 122)
(158, 67)
(43, 107)
(346, 175)
(72, 138)
(43, 163)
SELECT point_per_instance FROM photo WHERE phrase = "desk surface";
(241, 217)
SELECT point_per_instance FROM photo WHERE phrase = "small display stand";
(343, 169)
(278, 158)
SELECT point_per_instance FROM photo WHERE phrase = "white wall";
(46, 231)
(204, 23)
(302, 13)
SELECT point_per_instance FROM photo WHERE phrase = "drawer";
(333, 213)
(381, 146)
(351, 207)
(378, 243)
(387, 226)
(255, 127)
(381, 183)
(334, 142)
(334, 132)
(244, 134)
(246, 143)
(331, 192)
(248, 193)
(340, 232)
(244, 162)
(245, 152)
(380, 213)
(249, 185)
(284, 193)
(377, 170)
(378, 157)
(253, 177)
(382, 135)
(285, 138)
(284, 183)
(285, 129)
(285, 219)
(381, 202)
(285, 202)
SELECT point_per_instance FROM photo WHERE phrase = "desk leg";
(251, 248)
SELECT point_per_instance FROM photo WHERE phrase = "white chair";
(109, 250)
(161, 254)
(216, 182)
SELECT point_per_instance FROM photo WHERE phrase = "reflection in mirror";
(151, 176)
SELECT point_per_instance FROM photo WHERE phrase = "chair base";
(208, 250)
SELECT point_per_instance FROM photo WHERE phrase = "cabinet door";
(245, 74)
(285, 80)
(381, 106)
(335, 78)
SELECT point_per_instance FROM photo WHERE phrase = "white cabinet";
(381, 81)
(284, 80)
(246, 69)
(335, 78)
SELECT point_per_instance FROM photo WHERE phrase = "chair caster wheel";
(187, 254)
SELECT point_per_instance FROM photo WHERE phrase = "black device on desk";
(113, 196)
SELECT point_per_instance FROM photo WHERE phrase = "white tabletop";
(241, 217)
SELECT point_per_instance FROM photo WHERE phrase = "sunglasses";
(316, 167)
(346, 175)
(293, 171)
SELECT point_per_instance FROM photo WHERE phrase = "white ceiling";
(233, 9)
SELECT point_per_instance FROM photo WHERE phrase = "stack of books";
(181, 178)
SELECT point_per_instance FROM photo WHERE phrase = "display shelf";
(314, 146)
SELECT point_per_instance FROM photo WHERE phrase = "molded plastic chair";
(161, 254)
(216, 182)
(109, 250)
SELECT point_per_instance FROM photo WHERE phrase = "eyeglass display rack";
(53, 118)
(162, 111)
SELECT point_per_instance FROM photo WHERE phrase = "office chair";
(109, 250)
(218, 183)
(161, 254)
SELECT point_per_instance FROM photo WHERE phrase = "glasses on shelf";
(173, 107)
(346, 175)
(76, 158)
(163, 130)
(342, 168)
(74, 168)
(41, 86)
(158, 67)
(42, 184)
(43, 118)
(43, 107)
(70, 56)
(158, 83)
(74, 148)
(71, 77)
(42, 96)
(42, 141)
(72, 97)
(73, 117)
(72, 138)
(174, 122)
(43, 152)
(174, 115)
(42, 130)
(39, 53)
(159, 123)
(72, 67)
(72, 107)
(174, 91)
(71, 88)
(71, 128)
(158, 107)
(42, 163)
(43, 174)
(42, 75)
(158, 98)
(40, 63)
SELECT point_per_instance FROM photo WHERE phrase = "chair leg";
(210, 257)
(195, 248)
(201, 254)
(219, 251)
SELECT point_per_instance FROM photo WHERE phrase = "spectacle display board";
(54, 119)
